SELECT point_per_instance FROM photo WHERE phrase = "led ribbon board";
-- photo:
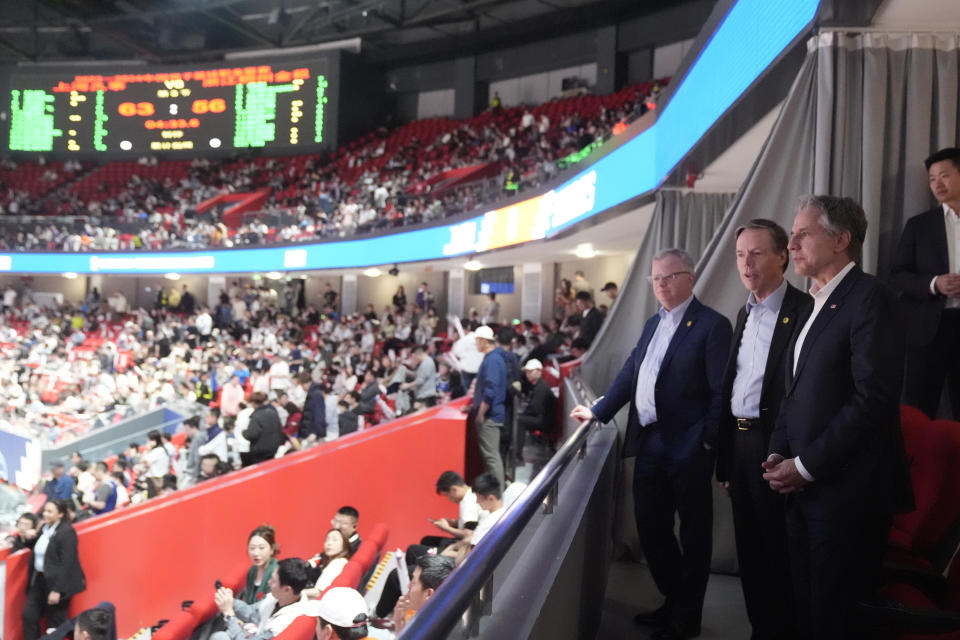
(747, 41)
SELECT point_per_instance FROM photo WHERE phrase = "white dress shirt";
(752, 354)
(952, 222)
(650, 367)
(820, 296)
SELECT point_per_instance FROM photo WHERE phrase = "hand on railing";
(581, 413)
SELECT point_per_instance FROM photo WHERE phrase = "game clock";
(263, 106)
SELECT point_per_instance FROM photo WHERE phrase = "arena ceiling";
(393, 31)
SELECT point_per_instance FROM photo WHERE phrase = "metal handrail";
(440, 615)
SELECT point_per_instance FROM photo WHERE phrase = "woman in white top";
(336, 553)
(157, 460)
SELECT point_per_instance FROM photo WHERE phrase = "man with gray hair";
(837, 451)
(672, 381)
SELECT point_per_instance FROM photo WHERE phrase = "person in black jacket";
(55, 573)
(591, 319)
(313, 423)
(538, 417)
(265, 433)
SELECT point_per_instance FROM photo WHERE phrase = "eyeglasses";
(666, 278)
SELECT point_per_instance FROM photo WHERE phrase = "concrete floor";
(630, 590)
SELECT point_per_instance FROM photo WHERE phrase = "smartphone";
(218, 585)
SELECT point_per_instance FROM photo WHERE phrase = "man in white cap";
(341, 614)
(537, 420)
(488, 407)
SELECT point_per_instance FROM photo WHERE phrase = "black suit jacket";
(796, 304)
(540, 409)
(687, 389)
(841, 411)
(921, 255)
(61, 563)
(590, 324)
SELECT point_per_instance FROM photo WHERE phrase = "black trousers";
(835, 559)
(759, 519)
(931, 365)
(680, 568)
(36, 607)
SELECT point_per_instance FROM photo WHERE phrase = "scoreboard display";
(144, 111)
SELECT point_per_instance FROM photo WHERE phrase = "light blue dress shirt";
(650, 367)
(40, 548)
(753, 351)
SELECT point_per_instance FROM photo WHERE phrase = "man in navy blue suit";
(672, 381)
(837, 450)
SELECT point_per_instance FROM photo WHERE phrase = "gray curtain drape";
(864, 112)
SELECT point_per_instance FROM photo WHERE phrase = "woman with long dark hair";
(55, 573)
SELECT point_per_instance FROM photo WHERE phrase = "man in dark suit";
(753, 387)
(837, 451)
(672, 381)
(925, 272)
(591, 319)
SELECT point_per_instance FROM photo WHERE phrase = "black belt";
(747, 424)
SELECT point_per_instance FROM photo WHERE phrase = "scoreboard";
(280, 106)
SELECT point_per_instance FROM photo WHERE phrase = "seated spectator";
(537, 417)
(273, 613)
(349, 418)
(346, 520)
(336, 553)
(453, 487)
(60, 486)
(428, 575)
(95, 624)
(105, 496)
(262, 549)
(341, 615)
(313, 422)
(216, 438)
(424, 385)
(369, 393)
(210, 467)
(123, 495)
(449, 386)
(196, 438)
(265, 433)
(157, 461)
(26, 530)
(231, 396)
(493, 501)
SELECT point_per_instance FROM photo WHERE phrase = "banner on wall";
(19, 460)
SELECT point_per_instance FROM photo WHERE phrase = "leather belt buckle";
(746, 424)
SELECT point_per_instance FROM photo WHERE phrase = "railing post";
(552, 498)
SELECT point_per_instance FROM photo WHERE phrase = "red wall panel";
(147, 559)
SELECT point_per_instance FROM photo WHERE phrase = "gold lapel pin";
(833, 306)
(786, 320)
(689, 323)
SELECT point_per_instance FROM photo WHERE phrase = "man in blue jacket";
(489, 400)
(672, 381)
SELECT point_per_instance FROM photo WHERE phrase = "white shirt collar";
(772, 302)
(824, 292)
(949, 213)
(676, 314)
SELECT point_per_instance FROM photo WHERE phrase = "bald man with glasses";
(672, 381)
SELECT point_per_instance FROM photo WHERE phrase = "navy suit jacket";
(687, 393)
(841, 410)
(921, 255)
(796, 305)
